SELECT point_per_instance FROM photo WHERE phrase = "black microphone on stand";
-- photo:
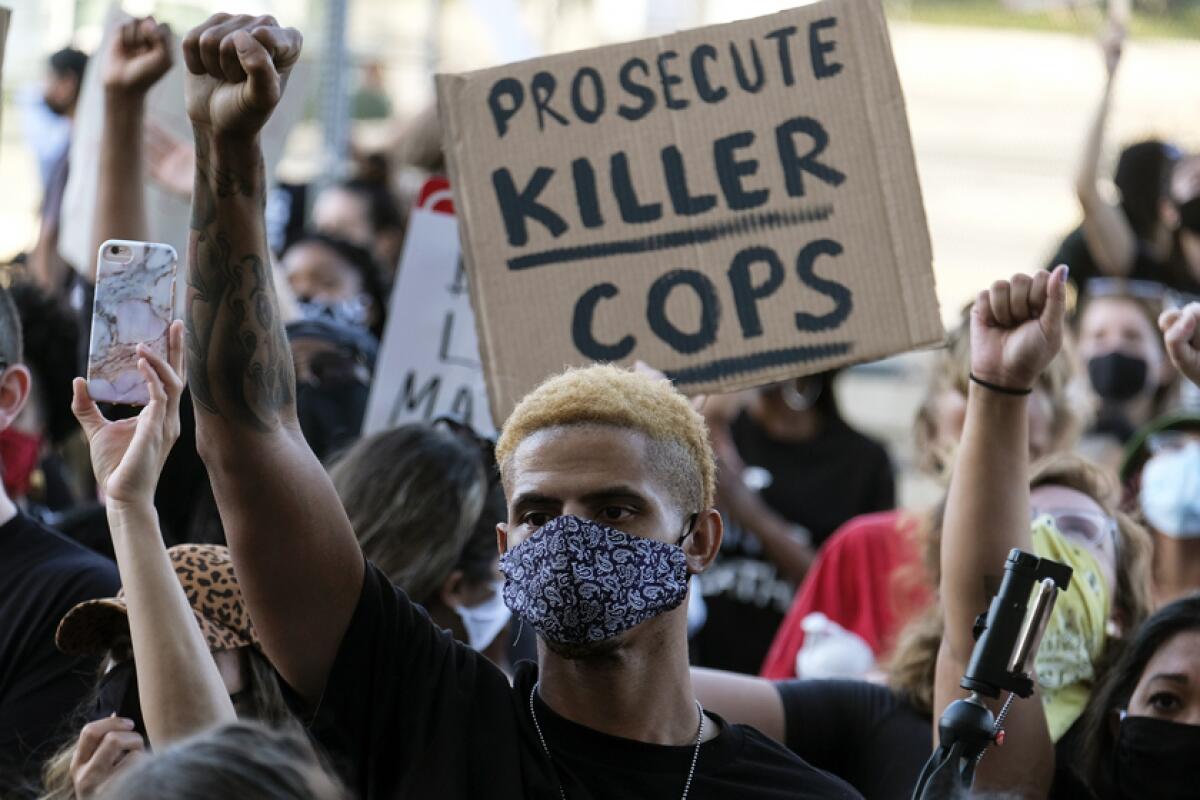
(1006, 642)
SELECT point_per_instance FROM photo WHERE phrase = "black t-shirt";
(1074, 252)
(822, 482)
(409, 712)
(42, 575)
(864, 733)
(819, 484)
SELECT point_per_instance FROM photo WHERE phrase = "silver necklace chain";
(546, 749)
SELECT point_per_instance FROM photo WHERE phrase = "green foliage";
(1152, 18)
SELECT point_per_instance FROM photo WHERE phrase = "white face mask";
(485, 621)
(1170, 495)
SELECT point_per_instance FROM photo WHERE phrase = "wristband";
(1000, 389)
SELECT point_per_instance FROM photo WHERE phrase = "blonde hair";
(608, 395)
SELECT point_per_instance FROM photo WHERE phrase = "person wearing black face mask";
(1142, 734)
(1122, 354)
(335, 280)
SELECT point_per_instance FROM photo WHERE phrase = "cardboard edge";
(449, 87)
(917, 287)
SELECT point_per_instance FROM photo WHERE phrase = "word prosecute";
(711, 77)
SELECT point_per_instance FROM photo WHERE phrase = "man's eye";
(535, 519)
(1164, 702)
(614, 514)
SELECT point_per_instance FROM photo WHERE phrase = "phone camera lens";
(114, 249)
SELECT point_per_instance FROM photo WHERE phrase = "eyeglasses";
(1149, 291)
(1089, 527)
(1169, 441)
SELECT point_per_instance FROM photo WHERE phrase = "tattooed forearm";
(240, 363)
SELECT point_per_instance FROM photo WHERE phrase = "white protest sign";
(428, 363)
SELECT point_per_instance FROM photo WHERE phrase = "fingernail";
(126, 723)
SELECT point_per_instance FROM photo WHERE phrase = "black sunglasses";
(487, 447)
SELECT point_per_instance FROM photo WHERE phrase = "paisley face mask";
(577, 581)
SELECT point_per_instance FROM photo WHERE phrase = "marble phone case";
(135, 303)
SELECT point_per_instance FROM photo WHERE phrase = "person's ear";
(451, 590)
(702, 546)
(502, 537)
(14, 391)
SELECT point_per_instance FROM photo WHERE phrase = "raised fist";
(237, 71)
(138, 55)
(1017, 328)
(1181, 335)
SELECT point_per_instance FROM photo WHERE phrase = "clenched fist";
(237, 70)
(1181, 334)
(1017, 328)
(138, 55)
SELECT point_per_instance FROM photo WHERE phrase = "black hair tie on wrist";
(1000, 389)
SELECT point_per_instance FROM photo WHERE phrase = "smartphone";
(134, 304)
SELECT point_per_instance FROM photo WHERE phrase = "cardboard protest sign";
(428, 363)
(168, 214)
(734, 205)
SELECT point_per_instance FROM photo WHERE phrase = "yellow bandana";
(1075, 635)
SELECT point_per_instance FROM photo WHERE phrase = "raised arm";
(299, 565)
(1016, 330)
(180, 688)
(138, 55)
(1107, 232)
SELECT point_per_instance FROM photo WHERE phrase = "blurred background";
(1000, 94)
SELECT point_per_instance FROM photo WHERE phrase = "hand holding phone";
(135, 303)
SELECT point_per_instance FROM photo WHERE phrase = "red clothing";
(852, 583)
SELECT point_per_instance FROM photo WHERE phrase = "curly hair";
(608, 395)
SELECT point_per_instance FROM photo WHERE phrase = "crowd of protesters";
(627, 593)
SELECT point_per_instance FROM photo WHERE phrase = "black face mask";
(1117, 377)
(1156, 759)
(117, 693)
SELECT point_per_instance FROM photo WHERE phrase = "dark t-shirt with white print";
(408, 712)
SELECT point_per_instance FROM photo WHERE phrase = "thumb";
(84, 409)
(1179, 335)
(261, 78)
(1056, 299)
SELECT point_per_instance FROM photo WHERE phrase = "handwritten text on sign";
(429, 360)
(734, 204)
